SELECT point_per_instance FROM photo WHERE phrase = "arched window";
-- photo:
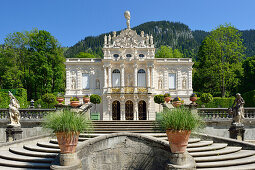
(115, 78)
(141, 78)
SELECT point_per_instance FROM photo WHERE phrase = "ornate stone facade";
(128, 77)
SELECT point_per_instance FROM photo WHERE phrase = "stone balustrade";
(222, 113)
(27, 113)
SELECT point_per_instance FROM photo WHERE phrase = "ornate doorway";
(142, 110)
(129, 110)
(116, 110)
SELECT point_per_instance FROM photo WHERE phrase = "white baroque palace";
(128, 77)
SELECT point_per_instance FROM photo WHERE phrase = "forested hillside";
(173, 34)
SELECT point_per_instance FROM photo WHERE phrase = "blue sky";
(72, 20)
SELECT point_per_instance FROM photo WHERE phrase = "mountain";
(174, 34)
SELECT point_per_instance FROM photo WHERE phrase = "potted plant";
(67, 126)
(159, 99)
(206, 98)
(95, 99)
(193, 97)
(74, 102)
(86, 99)
(167, 97)
(177, 102)
(178, 124)
(60, 98)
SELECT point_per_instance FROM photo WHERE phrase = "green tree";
(84, 55)
(219, 69)
(32, 60)
(248, 82)
(49, 98)
(168, 52)
(95, 99)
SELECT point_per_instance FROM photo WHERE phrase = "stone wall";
(30, 128)
(124, 151)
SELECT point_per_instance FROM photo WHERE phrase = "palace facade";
(128, 77)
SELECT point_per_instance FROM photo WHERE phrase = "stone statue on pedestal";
(238, 110)
(127, 16)
(13, 111)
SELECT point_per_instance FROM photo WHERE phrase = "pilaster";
(135, 77)
(122, 66)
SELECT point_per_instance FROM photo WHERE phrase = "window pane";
(141, 78)
(172, 81)
(85, 81)
(115, 79)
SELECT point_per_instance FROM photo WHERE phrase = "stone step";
(48, 145)
(235, 155)
(19, 164)
(41, 149)
(194, 140)
(226, 150)
(236, 167)
(200, 144)
(241, 161)
(22, 151)
(214, 146)
(11, 156)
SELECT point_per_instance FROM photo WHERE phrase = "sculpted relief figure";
(238, 109)
(97, 84)
(13, 111)
(184, 83)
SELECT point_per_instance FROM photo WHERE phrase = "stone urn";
(67, 141)
(177, 103)
(75, 103)
(167, 99)
(178, 140)
(193, 99)
(86, 99)
(60, 100)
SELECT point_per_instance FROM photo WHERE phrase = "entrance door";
(116, 110)
(142, 110)
(129, 111)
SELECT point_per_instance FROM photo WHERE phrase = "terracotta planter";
(177, 103)
(178, 140)
(67, 141)
(193, 99)
(167, 99)
(86, 99)
(75, 103)
(60, 99)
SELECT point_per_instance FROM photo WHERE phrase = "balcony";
(129, 90)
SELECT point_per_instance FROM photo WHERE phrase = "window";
(116, 55)
(172, 81)
(116, 78)
(85, 81)
(128, 55)
(141, 78)
(141, 55)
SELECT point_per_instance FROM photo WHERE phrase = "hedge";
(20, 94)
(249, 98)
(217, 102)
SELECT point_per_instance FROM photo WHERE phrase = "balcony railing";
(222, 113)
(129, 89)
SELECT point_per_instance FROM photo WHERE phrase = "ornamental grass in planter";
(67, 126)
(178, 124)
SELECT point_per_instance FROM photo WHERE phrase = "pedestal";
(181, 161)
(13, 133)
(236, 131)
(68, 161)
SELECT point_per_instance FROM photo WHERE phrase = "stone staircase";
(207, 154)
(125, 126)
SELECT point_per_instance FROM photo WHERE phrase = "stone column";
(135, 77)
(165, 79)
(122, 77)
(178, 83)
(148, 109)
(152, 78)
(122, 108)
(148, 77)
(136, 107)
(105, 77)
(109, 78)
(79, 81)
(68, 83)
